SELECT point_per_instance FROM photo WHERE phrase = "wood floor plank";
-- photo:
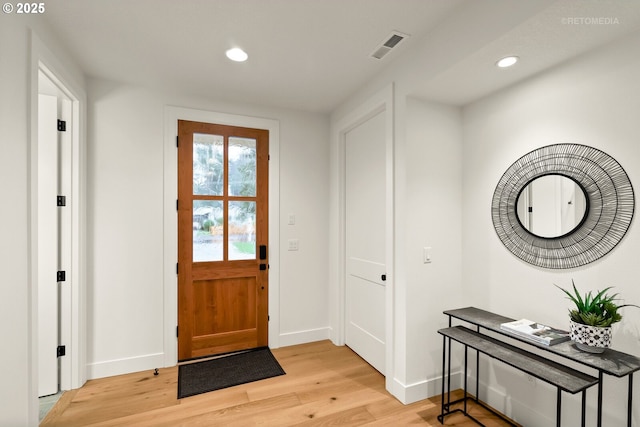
(324, 385)
(183, 409)
(250, 413)
(329, 408)
(351, 417)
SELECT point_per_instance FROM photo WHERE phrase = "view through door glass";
(222, 227)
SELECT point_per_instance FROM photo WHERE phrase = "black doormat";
(227, 371)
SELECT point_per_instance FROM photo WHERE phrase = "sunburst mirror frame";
(610, 197)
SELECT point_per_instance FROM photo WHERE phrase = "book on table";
(535, 331)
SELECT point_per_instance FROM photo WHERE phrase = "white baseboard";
(303, 337)
(497, 399)
(110, 368)
(410, 393)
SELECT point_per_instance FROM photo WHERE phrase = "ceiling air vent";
(390, 42)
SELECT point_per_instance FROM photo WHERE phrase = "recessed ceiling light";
(507, 61)
(237, 54)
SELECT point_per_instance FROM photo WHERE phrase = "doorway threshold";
(47, 403)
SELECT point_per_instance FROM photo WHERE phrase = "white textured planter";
(592, 339)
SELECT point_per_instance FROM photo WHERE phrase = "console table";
(610, 362)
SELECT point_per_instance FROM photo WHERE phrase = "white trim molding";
(110, 368)
(303, 337)
(410, 393)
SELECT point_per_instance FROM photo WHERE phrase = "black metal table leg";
(559, 408)
(444, 358)
(630, 401)
(477, 371)
(449, 375)
(600, 386)
(584, 406)
(465, 379)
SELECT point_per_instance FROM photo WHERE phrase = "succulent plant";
(594, 310)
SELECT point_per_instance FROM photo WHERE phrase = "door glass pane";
(242, 232)
(208, 230)
(242, 166)
(208, 164)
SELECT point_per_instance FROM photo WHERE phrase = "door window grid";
(224, 198)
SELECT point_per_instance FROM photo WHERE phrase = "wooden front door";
(222, 238)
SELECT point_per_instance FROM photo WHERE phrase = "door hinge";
(268, 156)
(61, 276)
(62, 126)
(177, 141)
(268, 318)
(176, 268)
(61, 351)
(176, 204)
(61, 200)
(530, 209)
(177, 331)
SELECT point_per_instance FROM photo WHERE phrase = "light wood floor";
(325, 385)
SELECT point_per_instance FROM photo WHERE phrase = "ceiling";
(312, 55)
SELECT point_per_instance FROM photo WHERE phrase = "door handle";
(263, 252)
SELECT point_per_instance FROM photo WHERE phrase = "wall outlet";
(294, 244)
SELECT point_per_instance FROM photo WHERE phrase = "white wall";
(125, 221)
(432, 218)
(16, 394)
(304, 192)
(124, 216)
(18, 310)
(593, 100)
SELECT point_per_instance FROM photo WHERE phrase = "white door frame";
(171, 116)
(73, 304)
(379, 102)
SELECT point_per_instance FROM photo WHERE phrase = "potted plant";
(592, 317)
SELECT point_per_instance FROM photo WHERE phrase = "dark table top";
(559, 375)
(610, 361)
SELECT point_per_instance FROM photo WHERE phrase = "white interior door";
(48, 243)
(366, 240)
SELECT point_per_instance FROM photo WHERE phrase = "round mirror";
(602, 209)
(552, 206)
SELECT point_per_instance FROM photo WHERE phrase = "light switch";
(292, 219)
(426, 254)
(294, 244)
